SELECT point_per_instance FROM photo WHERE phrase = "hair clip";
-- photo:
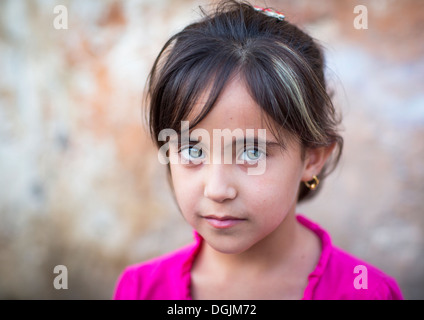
(270, 12)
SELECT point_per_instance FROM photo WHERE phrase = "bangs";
(199, 77)
(281, 82)
(185, 79)
(288, 90)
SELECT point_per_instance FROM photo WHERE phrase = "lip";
(223, 222)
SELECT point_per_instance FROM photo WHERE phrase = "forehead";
(234, 108)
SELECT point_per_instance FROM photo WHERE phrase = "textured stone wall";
(80, 184)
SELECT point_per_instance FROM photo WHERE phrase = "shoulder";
(348, 277)
(164, 277)
(340, 275)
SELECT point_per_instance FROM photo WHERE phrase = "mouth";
(223, 222)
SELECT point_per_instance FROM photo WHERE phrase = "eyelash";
(264, 153)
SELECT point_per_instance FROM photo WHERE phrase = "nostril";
(220, 194)
(219, 183)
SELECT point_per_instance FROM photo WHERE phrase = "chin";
(228, 246)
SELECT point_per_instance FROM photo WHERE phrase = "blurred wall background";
(80, 184)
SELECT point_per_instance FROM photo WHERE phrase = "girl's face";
(231, 209)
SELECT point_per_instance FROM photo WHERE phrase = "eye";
(192, 153)
(252, 154)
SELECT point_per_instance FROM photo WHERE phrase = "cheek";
(276, 192)
(184, 189)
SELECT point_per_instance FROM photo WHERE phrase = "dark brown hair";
(282, 66)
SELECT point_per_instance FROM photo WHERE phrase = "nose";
(219, 183)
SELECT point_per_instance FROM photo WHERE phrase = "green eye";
(191, 153)
(195, 153)
(252, 154)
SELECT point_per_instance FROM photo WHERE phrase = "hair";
(282, 67)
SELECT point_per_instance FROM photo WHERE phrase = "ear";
(315, 159)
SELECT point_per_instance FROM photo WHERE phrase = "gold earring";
(312, 185)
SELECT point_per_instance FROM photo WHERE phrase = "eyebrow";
(255, 141)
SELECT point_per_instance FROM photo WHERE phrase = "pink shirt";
(337, 276)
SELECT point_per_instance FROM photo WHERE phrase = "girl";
(245, 70)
